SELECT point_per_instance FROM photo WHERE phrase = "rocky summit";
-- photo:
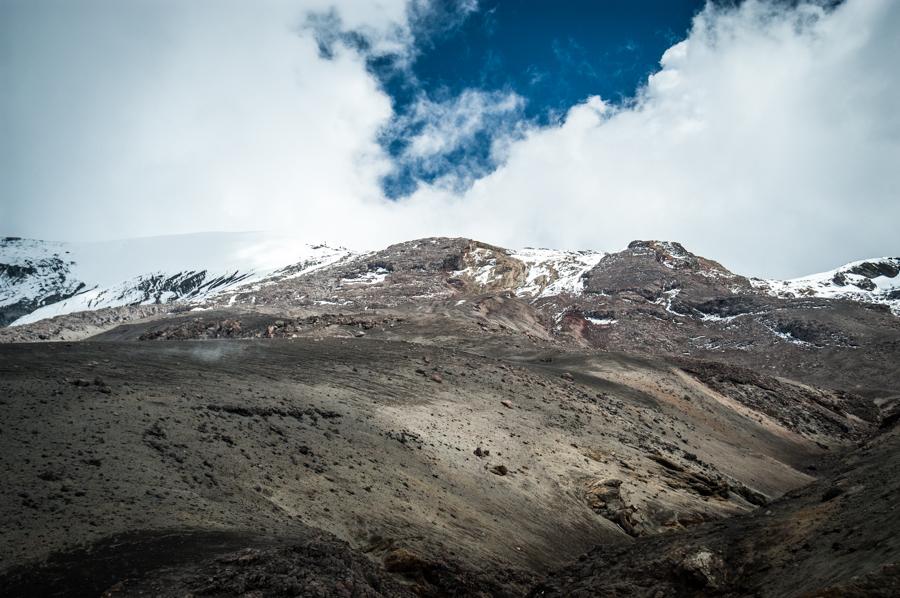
(244, 415)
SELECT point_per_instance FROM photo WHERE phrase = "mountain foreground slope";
(443, 417)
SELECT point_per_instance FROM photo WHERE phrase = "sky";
(762, 134)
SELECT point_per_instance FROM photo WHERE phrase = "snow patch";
(602, 321)
(368, 278)
(551, 272)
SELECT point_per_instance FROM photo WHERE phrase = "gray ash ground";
(434, 437)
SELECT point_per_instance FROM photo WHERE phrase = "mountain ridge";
(40, 279)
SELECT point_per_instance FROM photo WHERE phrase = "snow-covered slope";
(874, 280)
(43, 279)
(32, 274)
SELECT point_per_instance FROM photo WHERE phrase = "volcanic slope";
(501, 467)
(836, 537)
(446, 417)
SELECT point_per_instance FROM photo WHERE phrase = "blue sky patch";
(549, 55)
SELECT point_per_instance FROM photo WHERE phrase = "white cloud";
(141, 118)
(456, 140)
(769, 140)
(448, 125)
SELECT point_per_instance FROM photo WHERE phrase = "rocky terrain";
(446, 417)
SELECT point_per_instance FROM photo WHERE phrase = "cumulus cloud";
(769, 139)
(451, 140)
(446, 126)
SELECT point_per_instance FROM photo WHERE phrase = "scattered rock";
(705, 567)
(605, 498)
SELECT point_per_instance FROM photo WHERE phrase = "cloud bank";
(769, 139)
(145, 117)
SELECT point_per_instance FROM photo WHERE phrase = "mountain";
(240, 414)
(41, 279)
(653, 297)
